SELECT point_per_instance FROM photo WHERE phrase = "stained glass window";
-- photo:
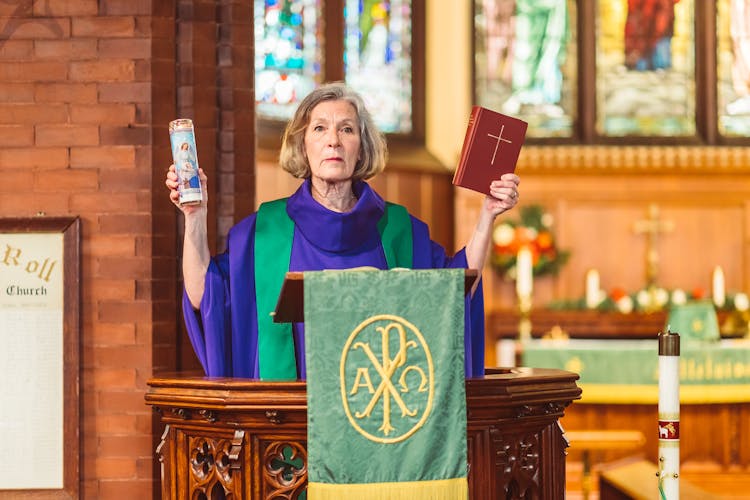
(377, 59)
(525, 62)
(733, 67)
(645, 68)
(288, 54)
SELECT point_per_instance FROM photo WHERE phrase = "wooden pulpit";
(247, 439)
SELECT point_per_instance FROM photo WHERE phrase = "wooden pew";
(589, 442)
(635, 479)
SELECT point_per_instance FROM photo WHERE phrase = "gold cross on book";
(499, 138)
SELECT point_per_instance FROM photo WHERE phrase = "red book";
(491, 147)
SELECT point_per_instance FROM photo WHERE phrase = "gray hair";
(372, 147)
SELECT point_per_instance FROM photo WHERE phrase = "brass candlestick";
(653, 303)
(524, 287)
(524, 322)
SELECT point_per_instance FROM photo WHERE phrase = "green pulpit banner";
(385, 384)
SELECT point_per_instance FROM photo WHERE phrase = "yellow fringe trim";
(649, 394)
(442, 489)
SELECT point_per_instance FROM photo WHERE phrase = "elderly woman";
(335, 220)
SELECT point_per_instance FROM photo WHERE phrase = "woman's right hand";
(172, 182)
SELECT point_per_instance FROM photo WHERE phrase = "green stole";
(274, 231)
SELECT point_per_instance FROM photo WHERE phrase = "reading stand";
(291, 304)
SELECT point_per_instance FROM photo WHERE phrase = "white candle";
(592, 288)
(669, 416)
(506, 352)
(524, 273)
(719, 295)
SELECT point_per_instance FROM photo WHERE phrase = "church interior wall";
(75, 101)
(596, 195)
(87, 89)
(594, 218)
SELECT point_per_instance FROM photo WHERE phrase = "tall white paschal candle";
(718, 291)
(669, 416)
(524, 273)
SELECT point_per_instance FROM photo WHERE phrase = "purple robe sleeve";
(194, 330)
(223, 331)
(207, 328)
(428, 254)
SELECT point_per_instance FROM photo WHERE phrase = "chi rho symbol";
(387, 379)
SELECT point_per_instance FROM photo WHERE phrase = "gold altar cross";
(499, 138)
(653, 227)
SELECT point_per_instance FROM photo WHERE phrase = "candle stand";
(524, 321)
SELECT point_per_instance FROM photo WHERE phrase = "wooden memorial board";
(39, 360)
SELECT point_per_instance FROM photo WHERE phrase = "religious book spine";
(491, 148)
(470, 130)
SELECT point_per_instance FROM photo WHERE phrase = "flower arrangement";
(533, 229)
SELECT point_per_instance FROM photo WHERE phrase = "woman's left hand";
(504, 194)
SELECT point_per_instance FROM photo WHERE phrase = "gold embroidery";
(364, 352)
(362, 374)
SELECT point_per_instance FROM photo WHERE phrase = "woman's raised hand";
(172, 182)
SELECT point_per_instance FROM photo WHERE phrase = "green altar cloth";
(627, 371)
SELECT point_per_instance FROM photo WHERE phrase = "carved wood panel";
(284, 470)
(213, 464)
(518, 464)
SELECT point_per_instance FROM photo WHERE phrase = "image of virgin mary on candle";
(186, 167)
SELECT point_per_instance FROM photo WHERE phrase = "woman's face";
(332, 141)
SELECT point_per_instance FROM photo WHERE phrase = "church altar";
(244, 438)
(626, 371)
(587, 324)
(619, 380)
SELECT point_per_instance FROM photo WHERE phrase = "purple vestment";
(224, 332)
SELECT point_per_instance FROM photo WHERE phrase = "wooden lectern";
(246, 439)
(291, 305)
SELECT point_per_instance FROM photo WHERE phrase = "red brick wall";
(87, 88)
